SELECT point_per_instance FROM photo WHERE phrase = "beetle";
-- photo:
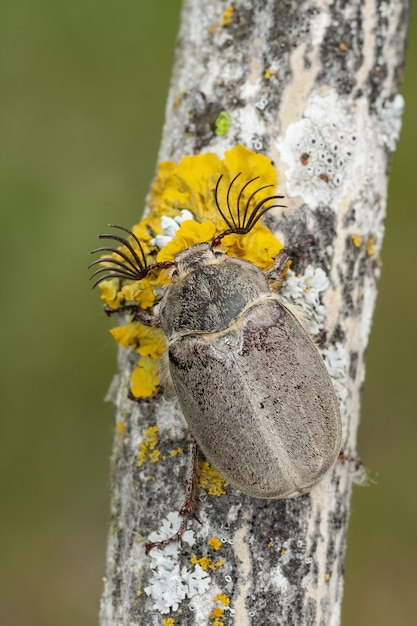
(250, 381)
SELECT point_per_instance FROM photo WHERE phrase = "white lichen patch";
(280, 583)
(170, 226)
(326, 164)
(170, 418)
(317, 152)
(319, 27)
(369, 298)
(336, 359)
(304, 292)
(170, 584)
(390, 114)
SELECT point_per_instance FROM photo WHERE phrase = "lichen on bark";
(315, 87)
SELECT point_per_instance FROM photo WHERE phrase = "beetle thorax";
(208, 292)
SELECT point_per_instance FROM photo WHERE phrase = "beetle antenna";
(128, 260)
(141, 263)
(260, 210)
(228, 203)
(129, 268)
(240, 196)
(216, 199)
(247, 221)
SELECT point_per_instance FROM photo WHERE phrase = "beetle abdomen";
(259, 402)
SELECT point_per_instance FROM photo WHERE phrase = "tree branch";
(315, 87)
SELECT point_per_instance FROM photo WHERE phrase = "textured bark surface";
(314, 85)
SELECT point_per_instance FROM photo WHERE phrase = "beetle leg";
(139, 315)
(277, 273)
(355, 460)
(189, 506)
(188, 511)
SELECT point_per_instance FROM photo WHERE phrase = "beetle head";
(241, 220)
(200, 254)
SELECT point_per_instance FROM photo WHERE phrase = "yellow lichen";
(268, 73)
(147, 341)
(370, 246)
(154, 456)
(168, 622)
(227, 16)
(222, 597)
(206, 563)
(189, 233)
(110, 290)
(215, 543)
(188, 185)
(356, 240)
(211, 480)
(145, 377)
(217, 612)
(142, 453)
(120, 426)
(147, 448)
(178, 100)
(177, 451)
(203, 561)
(151, 437)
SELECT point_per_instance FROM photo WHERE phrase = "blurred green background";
(82, 98)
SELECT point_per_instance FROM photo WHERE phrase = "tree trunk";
(315, 87)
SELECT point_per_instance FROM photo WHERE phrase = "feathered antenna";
(245, 219)
(129, 268)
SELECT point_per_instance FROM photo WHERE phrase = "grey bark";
(314, 85)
